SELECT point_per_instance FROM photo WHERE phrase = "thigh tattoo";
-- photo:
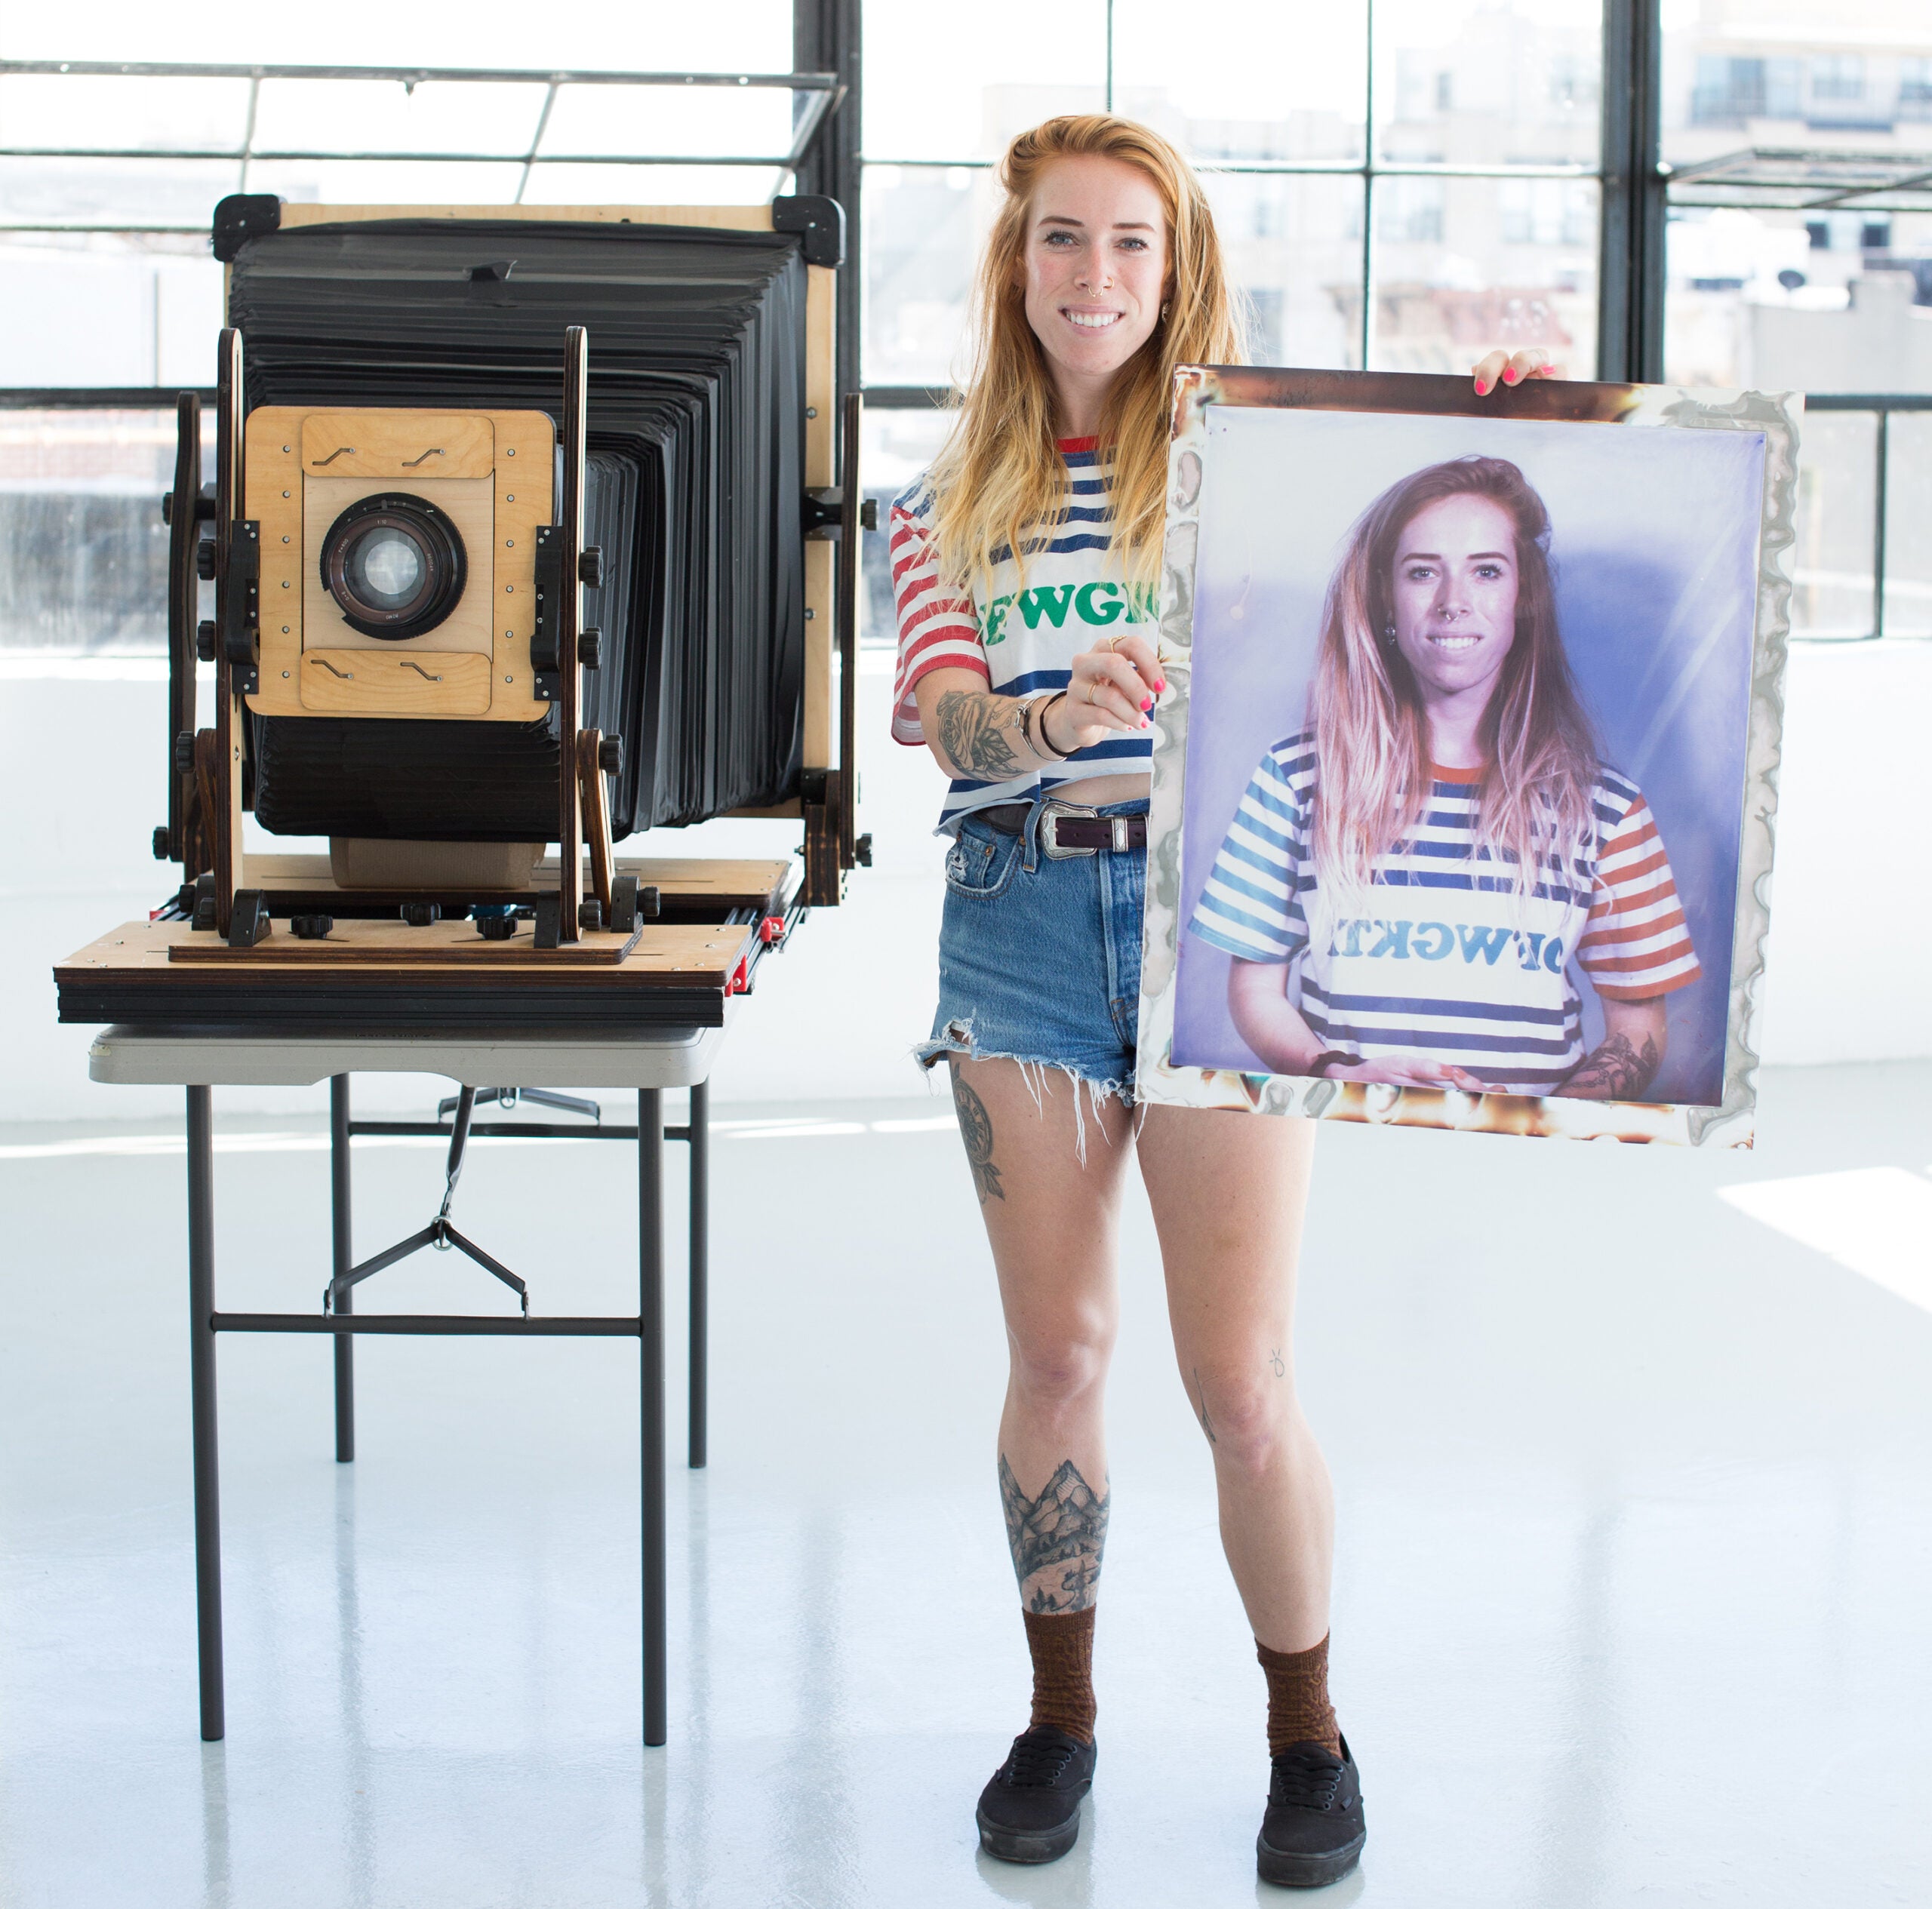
(975, 1129)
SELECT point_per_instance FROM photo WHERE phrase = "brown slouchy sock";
(1299, 1710)
(1061, 1643)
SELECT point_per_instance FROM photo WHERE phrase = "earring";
(1388, 632)
(1166, 305)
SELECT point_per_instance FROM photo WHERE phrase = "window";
(1837, 76)
(1728, 91)
(1915, 100)
(1464, 215)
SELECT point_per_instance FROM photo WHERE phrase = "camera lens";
(395, 565)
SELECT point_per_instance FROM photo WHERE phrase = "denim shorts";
(1039, 959)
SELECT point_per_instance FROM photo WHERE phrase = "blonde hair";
(999, 474)
(1371, 738)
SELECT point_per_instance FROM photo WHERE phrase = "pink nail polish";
(1147, 702)
(1482, 390)
(1510, 377)
(1159, 688)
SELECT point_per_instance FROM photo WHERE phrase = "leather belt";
(1067, 830)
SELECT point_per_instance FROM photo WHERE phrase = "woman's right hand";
(1110, 692)
(1405, 1071)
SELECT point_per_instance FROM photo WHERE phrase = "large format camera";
(523, 533)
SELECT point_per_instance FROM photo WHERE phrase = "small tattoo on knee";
(1200, 1393)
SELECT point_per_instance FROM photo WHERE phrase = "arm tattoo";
(1614, 1072)
(1201, 1393)
(1057, 1538)
(973, 731)
(975, 1129)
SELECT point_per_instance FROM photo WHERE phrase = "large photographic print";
(1463, 795)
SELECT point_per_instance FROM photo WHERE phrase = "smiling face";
(1454, 588)
(1094, 271)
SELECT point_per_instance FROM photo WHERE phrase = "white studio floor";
(1633, 1449)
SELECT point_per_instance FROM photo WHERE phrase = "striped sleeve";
(1251, 904)
(1636, 944)
(937, 627)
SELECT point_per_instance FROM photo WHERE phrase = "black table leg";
(201, 1392)
(344, 1257)
(699, 1140)
(651, 1313)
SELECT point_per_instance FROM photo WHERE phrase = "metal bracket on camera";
(241, 606)
(545, 652)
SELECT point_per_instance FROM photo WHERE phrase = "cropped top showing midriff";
(1019, 632)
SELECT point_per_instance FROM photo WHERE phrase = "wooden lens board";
(489, 471)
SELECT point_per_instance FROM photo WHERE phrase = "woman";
(1023, 563)
(1447, 758)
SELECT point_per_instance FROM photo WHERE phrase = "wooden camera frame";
(262, 556)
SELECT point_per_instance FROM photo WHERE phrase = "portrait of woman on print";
(1413, 880)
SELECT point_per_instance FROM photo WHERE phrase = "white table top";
(643, 1057)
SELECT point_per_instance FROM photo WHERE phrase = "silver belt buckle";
(1050, 815)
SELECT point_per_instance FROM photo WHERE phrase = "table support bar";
(651, 1313)
(340, 1210)
(201, 1390)
(475, 1326)
(699, 1134)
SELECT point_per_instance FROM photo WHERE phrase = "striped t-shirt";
(1443, 957)
(1021, 636)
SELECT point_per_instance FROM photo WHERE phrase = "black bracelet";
(1043, 745)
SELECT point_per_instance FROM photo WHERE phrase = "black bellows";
(696, 424)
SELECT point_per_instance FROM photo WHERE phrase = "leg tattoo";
(1200, 1392)
(1058, 1537)
(975, 1129)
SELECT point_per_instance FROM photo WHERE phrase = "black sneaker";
(1030, 1810)
(1313, 1831)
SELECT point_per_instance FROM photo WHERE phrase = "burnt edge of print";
(1197, 387)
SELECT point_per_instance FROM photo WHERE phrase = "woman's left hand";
(1512, 368)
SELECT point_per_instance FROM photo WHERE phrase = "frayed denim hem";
(1034, 1070)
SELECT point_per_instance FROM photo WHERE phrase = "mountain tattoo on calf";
(1057, 1538)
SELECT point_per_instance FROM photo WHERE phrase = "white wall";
(81, 785)
(82, 782)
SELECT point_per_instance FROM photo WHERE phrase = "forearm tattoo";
(1057, 1538)
(981, 734)
(975, 1129)
(1615, 1070)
